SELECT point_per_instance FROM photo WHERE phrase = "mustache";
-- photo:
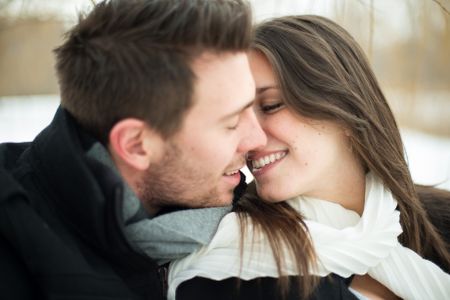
(237, 164)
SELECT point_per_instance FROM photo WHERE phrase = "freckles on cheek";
(294, 141)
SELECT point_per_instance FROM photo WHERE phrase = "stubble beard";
(176, 181)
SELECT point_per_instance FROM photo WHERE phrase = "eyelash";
(233, 127)
(267, 109)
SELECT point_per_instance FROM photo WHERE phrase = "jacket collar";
(86, 193)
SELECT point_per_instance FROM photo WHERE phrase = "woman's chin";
(270, 195)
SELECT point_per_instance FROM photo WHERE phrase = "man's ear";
(134, 143)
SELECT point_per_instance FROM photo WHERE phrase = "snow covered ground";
(21, 118)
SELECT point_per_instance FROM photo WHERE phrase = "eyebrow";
(261, 90)
(238, 111)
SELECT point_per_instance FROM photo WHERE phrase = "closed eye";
(271, 108)
(233, 127)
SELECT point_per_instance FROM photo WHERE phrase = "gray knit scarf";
(165, 237)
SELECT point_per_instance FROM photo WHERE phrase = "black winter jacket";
(61, 232)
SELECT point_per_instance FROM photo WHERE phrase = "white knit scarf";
(345, 244)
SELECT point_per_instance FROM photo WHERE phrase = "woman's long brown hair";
(323, 74)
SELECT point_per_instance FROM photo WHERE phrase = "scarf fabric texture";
(345, 244)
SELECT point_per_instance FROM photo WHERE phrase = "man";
(156, 114)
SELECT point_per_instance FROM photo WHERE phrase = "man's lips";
(233, 177)
(233, 170)
(231, 173)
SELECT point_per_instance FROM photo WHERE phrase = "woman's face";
(302, 156)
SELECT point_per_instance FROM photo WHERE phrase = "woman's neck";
(352, 194)
(346, 188)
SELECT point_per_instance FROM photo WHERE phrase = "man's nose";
(254, 137)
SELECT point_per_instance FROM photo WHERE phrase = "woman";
(335, 154)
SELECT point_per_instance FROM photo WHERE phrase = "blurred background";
(407, 42)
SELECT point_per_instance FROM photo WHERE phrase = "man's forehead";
(223, 85)
(205, 58)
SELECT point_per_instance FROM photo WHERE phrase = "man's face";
(200, 164)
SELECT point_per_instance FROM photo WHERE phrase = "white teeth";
(263, 161)
(272, 158)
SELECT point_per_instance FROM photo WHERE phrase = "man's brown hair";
(131, 58)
